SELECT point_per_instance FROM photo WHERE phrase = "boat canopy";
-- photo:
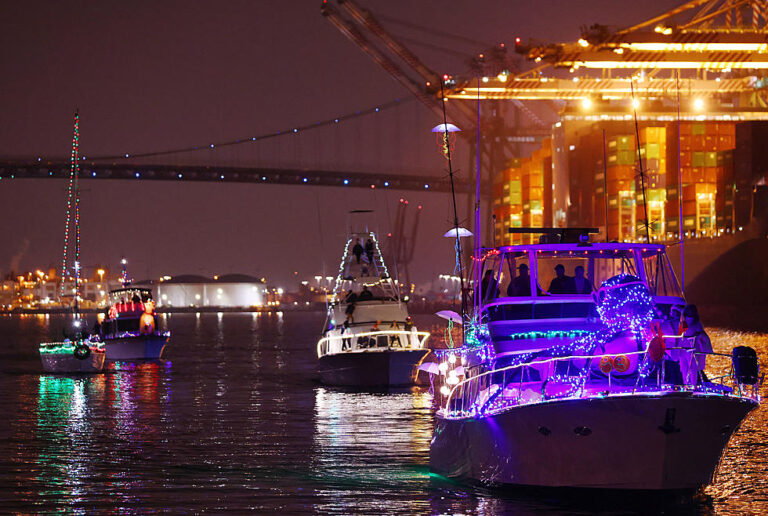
(552, 270)
(128, 294)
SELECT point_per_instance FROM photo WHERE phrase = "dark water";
(233, 420)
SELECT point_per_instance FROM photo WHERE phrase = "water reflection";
(233, 421)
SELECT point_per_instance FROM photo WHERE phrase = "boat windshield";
(128, 295)
(574, 272)
(661, 279)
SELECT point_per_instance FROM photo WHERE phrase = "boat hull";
(67, 362)
(670, 442)
(135, 348)
(375, 368)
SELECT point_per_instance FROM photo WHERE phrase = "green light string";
(73, 173)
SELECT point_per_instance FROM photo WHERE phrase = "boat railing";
(573, 377)
(371, 340)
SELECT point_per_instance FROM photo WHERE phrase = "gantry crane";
(706, 48)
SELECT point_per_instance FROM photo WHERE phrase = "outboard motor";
(745, 367)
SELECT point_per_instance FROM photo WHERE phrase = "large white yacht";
(578, 375)
(368, 340)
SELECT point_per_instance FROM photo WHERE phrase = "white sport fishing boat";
(369, 339)
(130, 329)
(581, 378)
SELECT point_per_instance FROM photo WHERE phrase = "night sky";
(150, 75)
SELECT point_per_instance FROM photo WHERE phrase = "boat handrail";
(472, 385)
(421, 337)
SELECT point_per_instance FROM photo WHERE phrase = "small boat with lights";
(129, 327)
(77, 352)
(369, 339)
(76, 355)
(578, 374)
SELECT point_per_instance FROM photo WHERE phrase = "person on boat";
(358, 250)
(365, 295)
(485, 286)
(346, 342)
(520, 284)
(408, 325)
(351, 297)
(369, 250)
(581, 285)
(697, 340)
(395, 339)
(561, 284)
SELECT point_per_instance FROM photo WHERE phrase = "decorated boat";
(129, 328)
(77, 352)
(369, 339)
(72, 355)
(576, 373)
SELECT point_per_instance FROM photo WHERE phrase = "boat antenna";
(76, 153)
(640, 161)
(680, 189)
(478, 229)
(605, 185)
(447, 146)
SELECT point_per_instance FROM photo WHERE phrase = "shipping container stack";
(706, 174)
(508, 203)
(620, 182)
(536, 172)
(653, 150)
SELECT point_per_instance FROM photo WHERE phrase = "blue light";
(295, 130)
(221, 176)
(346, 181)
(179, 176)
(93, 174)
(39, 159)
(377, 110)
(211, 146)
(253, 139)
(336, 121)
(305, 180)
(263, 178)
(426, 186)
(137, 174)
(127, 155)
(386, 183)
(50, 173)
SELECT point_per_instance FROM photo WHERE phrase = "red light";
(419, 207)
(445, 77)
(406, 202)
(373, 186)
(389, 234)
(402, 200)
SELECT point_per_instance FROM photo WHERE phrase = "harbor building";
(226, 291)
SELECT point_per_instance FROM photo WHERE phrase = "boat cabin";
(131, 310)
(540, 290)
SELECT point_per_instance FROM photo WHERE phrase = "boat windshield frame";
(634, 260)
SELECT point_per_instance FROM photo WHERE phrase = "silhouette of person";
(365, 295)
(581, 285)
(520, 284)
(357, 250)
(487, 284)
(561, 284)
(697, 339)
(369, 250)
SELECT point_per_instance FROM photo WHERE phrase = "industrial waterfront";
(352, 257)
(233, 419)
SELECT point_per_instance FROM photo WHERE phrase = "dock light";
(586, 103)
(698, 104)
